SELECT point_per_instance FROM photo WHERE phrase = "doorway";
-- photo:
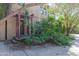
(6, 30)
(21, 27)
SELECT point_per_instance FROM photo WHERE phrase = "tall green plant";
(70, 13)
(3, 9)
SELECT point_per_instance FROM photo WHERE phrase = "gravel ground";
(8, 49)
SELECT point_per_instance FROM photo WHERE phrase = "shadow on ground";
(7, 48)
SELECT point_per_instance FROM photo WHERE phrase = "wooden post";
(17, 26)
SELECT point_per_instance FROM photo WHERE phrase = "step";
(14, 41)
(20, 38)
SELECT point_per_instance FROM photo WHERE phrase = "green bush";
(61, 39)
(3, 9)
(27, 41)
(40, 39)
(49, 30)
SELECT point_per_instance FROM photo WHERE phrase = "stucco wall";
(37, 11)
(11, 27)
(2, 31)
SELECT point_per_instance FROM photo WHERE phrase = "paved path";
(8, 49)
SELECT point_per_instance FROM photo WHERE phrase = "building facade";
(12, 25)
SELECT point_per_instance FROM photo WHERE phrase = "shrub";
(3, 10)
(27, 41)
(61, 39)
(48, 30)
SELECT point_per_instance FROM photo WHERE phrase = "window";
(44, 12)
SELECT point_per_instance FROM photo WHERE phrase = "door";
(6, 30)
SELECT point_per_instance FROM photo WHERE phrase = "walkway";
(8, 49)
